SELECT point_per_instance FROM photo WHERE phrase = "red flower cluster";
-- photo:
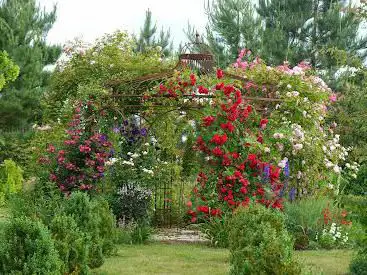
(219, 139)
(208, 120)
(338, 218)
(235, 173)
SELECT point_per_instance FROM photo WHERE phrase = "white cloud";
(90, 19)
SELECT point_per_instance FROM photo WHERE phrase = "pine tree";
(304, 29)
(148, 37)
(23, 30)
(279, 30)
(232, 25)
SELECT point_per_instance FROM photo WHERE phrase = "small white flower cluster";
(133, 155)
(129, 162)
(278, 135)
(353, 169)
(111, 161)
(134, 190)
(334, 154)
(148, 171)
(335, 232)
(283, 163)
(42, 128)
(298, 138)
(292, 94)
(320, 83)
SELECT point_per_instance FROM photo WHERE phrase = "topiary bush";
(27, 248)
(94, 218)
(71, 244)
(259, 243)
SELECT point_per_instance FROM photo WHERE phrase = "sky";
(90, 19)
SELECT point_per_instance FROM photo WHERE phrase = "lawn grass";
(327, 262)
(166, 259)
(187, 259)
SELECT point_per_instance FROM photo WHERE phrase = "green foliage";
(279, 30)
(11, 179)
(134, 233)
(216, 230)
(8, 70)
(304, 219)
(350, 114)
(232, 26)
(71, 244)
(110, 61)
(140, 233)
(83, 228)
(131, 203)
(259, 243)
(27, 248)
(93, 217)
(358, 265)
(148, 37)
(24, 26)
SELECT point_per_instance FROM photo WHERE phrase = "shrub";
(133, 233)
(259, 243)
(131, 203)
(27, 248)
(71, 244)
(140, 233)
(358, 265)
(11, 179)
(216, 230)
(93, 217)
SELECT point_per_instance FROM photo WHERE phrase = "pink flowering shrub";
(79, 163)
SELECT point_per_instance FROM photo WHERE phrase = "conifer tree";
(148, 37)
(23, 31)
(291, 30)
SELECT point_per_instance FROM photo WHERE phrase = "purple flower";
(103, 138)
(292, 194)
(116, 129)
(286, 169)
(143, 132)
(126, 122)
(267, 172)
(135, 131)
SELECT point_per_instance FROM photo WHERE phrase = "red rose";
(243, 190)
(217, 152)
(208, 120)
(220, 74)
(192, 79)
(227, 126)
(203, 90)
(219, 86)
(263, 123)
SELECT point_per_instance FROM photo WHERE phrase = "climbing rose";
(220, 74)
